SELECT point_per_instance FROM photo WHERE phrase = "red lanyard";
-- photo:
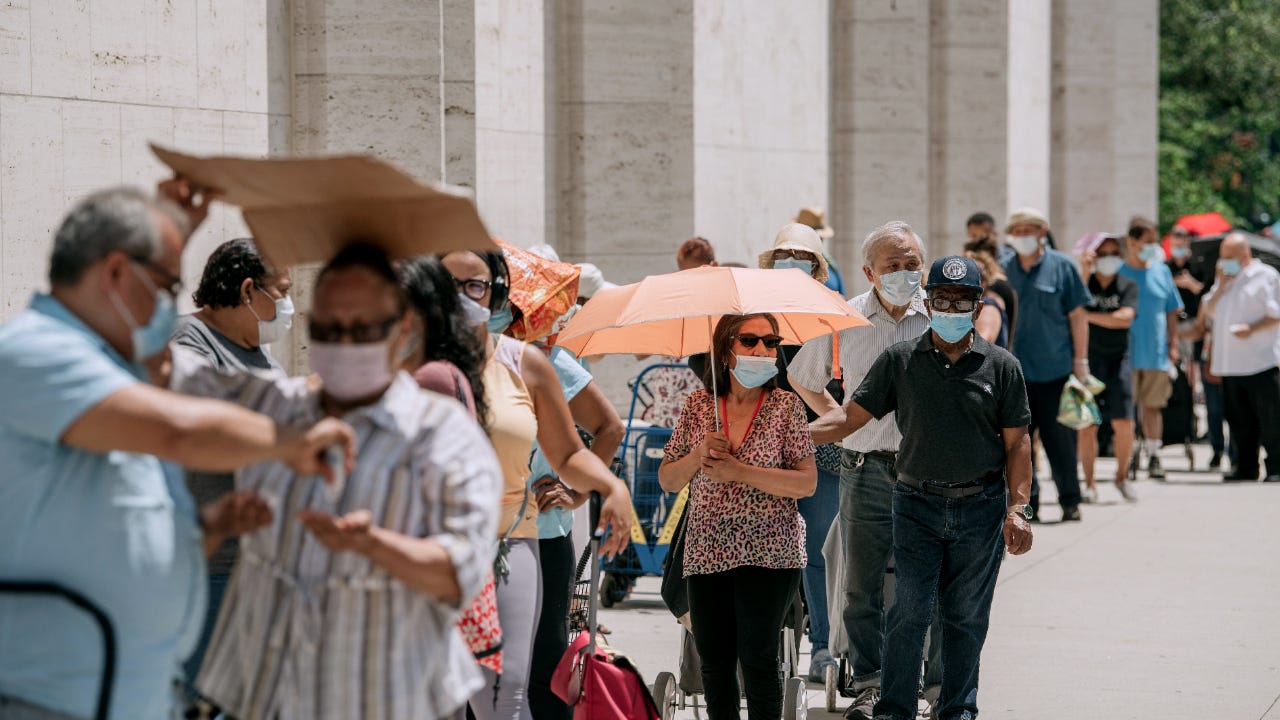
(724, 412)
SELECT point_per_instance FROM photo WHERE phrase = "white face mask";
(897, 288)
(352, 371)
(1108, 265)
(274, 329)
(475, 313)
(1024, 244)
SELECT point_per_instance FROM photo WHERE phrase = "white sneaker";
(1088, 495)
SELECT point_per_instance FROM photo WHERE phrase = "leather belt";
(950, 491)
(886, 456)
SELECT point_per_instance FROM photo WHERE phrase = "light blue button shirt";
(118, 527)
(558, 522)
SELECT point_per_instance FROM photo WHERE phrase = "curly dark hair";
(434, 296)
(722, 341)
(228, 266)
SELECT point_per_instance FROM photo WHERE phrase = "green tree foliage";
(1220, 109)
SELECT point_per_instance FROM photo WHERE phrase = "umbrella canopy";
(542, 290)
(674, 314)
(1204, 224)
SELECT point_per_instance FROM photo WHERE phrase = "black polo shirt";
(951, 414)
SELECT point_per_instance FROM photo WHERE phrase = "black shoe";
(1154, 470)
(1271, 478)
(1071, 513)
(1216, 460)
(1236, 477)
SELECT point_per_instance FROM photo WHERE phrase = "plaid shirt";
(305, 633)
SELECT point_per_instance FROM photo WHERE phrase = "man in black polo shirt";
(964, 478)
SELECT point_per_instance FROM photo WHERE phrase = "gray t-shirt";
(229, 358)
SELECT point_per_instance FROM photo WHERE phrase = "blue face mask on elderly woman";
(784, 263)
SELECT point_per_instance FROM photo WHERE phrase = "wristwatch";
(1023, 510)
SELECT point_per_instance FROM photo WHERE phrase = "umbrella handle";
(715, 393)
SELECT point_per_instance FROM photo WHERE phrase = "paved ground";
(1168, 608)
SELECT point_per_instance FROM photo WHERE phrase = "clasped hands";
(718, 461)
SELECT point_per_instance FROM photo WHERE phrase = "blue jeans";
(818, 511)
(866, 526)
(217, 589)
(948, 551)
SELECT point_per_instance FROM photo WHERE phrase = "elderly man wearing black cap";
(964, 475)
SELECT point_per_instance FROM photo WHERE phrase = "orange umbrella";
(543, 290)
(674, 314)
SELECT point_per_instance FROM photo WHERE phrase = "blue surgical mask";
(783, 264)
(151, 339)
(499, 321)
(1230, 266)
(951, 327)
(1149, 252)
(753, 371)
(899, 287)
(1180, 252)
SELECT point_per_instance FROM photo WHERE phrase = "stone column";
(394, 78)
(761, 87)
(880, 96)
(1105, 94)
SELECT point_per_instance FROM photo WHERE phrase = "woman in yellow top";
(526, 404)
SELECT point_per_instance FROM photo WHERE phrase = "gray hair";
(892, 230)
(119, 219)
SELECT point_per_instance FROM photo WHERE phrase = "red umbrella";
(1210, 223)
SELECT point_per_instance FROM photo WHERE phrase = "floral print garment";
(734, 524)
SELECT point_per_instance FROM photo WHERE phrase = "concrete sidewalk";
(1167, 608)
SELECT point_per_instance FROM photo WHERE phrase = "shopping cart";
(657, 396)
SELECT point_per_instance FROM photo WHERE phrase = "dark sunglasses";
(358, 333)
(474, 288)
(169, 282)
(943, 304)
(749, 341)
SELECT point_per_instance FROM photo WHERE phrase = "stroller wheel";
(664, 695)
(795, 701)
(831, 678)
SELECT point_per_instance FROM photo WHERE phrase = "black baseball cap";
(954, 271)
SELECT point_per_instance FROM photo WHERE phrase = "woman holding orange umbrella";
(745, 448)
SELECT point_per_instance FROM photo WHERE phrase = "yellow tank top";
(513, 428)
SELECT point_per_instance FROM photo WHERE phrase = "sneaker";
(1070, 513)
(1088, 495)
(1126, 492)
(818, 665)
(864, 704)
(1154, 470)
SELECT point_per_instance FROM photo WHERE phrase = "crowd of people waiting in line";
(163, 465)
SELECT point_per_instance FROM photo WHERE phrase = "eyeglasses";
(794, 254)
(359, 332)
(963, 305)
(749, 341)
(474, 288)
(169, 282)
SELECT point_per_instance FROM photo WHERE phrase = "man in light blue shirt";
(87, 499)
(1153, 346)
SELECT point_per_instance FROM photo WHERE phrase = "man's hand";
(615, 511)
(1017, 533)
(1242, 330)
(193, 200)
(306, 454)
(1185, 281)
(551, 493)
(349, 533)
(1175, 354)
(235, 514)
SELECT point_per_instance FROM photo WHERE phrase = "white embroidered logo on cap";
(953, 269)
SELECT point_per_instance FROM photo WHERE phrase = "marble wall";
(86, 84)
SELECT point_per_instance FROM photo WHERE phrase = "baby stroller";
(671, 692)
(657, 397)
